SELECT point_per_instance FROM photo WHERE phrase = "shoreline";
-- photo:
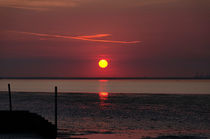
(113, 93)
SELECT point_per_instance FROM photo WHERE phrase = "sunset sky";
(138, 38)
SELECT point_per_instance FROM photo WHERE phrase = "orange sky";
(66, 38)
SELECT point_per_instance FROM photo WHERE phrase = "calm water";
(111, 86)
(93, 111)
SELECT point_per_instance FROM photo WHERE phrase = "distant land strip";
(104, 78)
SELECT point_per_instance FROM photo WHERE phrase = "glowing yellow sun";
(103, 63)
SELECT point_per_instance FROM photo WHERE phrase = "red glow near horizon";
(103, 80)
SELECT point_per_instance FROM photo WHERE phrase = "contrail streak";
(85, 38)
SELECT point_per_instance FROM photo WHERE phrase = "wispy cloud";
(37, 4)
(95, 36)
(49, 4)
(153, 2)
(91, 38)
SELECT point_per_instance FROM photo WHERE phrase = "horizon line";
(112, 78)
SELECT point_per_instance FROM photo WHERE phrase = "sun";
(103, 63)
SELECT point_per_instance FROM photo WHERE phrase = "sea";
(116, 109)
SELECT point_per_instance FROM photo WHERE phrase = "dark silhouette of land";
(26, 122)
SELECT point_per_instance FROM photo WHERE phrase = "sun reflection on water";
(103, 95)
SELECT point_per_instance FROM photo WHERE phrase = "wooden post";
(56, 94)
(10, 99)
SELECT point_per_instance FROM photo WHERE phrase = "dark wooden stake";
(10, 99)
(56, 94)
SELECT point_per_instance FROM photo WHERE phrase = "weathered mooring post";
(56, 94)
(10, 98)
